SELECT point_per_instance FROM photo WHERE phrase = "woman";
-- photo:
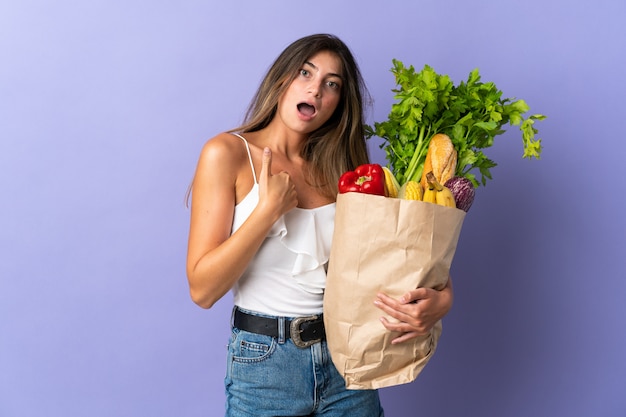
(263, 200)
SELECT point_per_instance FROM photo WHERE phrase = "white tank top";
(288, 274)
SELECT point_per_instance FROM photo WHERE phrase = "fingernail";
(266, 151)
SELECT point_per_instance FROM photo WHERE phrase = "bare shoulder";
(224, 162)
(223, 153)
(225, 148)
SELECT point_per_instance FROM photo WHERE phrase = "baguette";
(441, 159)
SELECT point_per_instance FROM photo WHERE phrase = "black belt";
(303, 331)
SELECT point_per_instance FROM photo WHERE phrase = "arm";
(417, 311)
(215, 259)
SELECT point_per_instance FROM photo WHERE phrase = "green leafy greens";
(472, 114)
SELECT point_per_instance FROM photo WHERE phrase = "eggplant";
(463, 192)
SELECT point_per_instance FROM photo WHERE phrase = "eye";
(304, 73)
(333, 85)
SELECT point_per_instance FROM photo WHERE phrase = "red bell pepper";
(367, 178)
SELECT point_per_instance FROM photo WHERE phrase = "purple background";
(104, 106)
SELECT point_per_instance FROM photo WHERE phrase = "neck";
(283, 140)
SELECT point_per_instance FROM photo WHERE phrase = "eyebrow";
(317, 69)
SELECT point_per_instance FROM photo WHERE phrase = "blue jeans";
(271, 377)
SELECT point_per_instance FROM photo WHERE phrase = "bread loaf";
(440, 159)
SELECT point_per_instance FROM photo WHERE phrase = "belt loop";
(281, 330)
(232, 316)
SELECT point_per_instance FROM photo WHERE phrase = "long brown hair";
(337, 146)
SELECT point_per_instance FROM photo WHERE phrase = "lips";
(306, 109)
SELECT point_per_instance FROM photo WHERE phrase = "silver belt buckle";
(295, 331)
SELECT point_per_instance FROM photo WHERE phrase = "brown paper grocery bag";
(389, 245)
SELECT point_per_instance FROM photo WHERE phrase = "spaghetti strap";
(249, 155)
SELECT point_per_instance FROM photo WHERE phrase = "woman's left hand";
(416, 312)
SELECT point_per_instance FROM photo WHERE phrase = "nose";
(315, 89)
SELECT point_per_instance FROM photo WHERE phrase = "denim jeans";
(271, 377)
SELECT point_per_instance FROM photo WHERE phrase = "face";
(313, 95)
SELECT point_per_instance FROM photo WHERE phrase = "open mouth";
(306, 109)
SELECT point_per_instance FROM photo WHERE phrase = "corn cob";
(411, 190)
(391, 184)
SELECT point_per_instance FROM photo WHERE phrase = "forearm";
(417, 311)
(445, 299)
(216, 271)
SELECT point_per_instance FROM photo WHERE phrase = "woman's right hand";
(277, 193)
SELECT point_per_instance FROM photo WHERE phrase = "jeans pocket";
(249, 347)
